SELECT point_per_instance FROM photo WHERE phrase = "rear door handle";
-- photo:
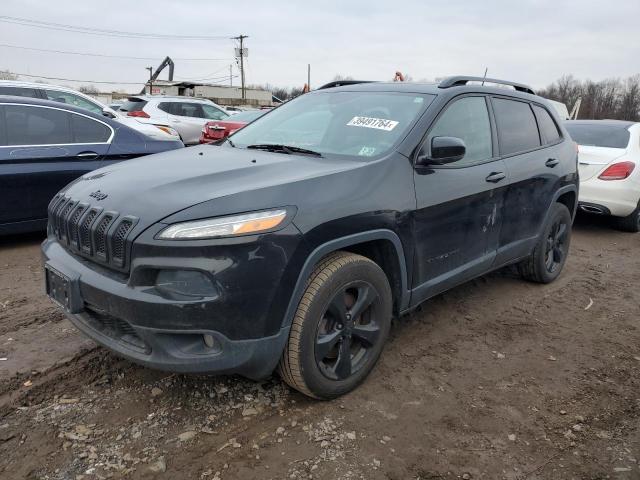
(87, 155)
(552, 162)
(495, 177)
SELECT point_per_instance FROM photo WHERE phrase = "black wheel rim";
(556, 246)
(348, 331)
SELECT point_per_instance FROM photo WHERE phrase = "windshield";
(589, 134)
(363, 124)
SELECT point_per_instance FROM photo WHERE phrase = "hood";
(592, 160)
(156, 186)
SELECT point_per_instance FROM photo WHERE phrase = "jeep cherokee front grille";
(101, 236)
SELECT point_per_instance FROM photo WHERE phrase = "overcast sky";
(528, 41)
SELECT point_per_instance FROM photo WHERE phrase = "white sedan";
(609, 165)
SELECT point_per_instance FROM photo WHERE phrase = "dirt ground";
(496, 379)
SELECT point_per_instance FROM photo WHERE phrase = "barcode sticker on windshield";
(369, 122)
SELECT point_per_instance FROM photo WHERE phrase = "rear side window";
(164, 106)
(87, 130)
(72, 99)
(213, 113)
(548, 127)
(19, 92)
(189, 110)
(517, 128)
(468, 119)
(133, 105)
(598, 135)
(37, 126)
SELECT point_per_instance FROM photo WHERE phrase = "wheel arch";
(566, 195)
(382, 246)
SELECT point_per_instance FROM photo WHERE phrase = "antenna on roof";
(485, 75)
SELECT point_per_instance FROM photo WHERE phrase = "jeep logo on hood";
(98, 195)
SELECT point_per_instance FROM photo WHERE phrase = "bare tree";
(88, 89)
(629, 105)
(611, 98)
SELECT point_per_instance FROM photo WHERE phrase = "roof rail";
(463, 80)
(340, 83)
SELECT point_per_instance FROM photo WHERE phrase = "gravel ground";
(496, 379)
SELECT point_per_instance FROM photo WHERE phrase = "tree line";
(612, 98)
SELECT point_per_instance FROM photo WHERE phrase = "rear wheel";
(630, 223)
(339, 328)
(550, 253)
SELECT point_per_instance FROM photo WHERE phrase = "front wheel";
(550, 253)
(339, 328)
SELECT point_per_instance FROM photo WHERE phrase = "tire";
(325, 337)
(630, 223)
(550, 253)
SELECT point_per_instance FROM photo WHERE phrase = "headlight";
(225, 226)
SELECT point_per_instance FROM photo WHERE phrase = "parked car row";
(185, 115)
(157, 130)
(44, 145)
(382, 195)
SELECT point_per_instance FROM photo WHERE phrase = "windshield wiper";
(288, 149)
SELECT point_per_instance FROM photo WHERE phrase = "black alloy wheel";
(347, 331)
(556, 246)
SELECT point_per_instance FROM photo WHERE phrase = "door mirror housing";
(443, 150)
(109, 112)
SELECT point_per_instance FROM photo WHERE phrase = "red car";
(218, 129)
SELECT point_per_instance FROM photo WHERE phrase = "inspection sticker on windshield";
(369, 122)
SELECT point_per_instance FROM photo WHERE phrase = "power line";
(219, 79)
(102, 32)
(108, 56)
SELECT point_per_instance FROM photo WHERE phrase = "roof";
(51, 103)
(39, 85)
(623, 124)
(427, 88)
(171, 97)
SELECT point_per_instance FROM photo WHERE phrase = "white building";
(222, 95)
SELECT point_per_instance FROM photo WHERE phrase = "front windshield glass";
(363, 124)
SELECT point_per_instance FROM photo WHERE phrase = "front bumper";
(126, 314)
(618, 197)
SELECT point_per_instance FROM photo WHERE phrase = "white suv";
(68, 96)
(184, 114)
(609, 157)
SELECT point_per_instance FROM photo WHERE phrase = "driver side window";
(467, 119)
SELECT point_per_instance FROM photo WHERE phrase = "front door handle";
(495, 177)
(552, 162)
(87, 155)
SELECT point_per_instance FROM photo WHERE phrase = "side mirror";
(109, 112)
(443, 150)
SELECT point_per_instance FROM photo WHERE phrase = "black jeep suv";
(292, 244)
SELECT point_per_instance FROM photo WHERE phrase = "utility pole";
(309, 76)
(241, 53)
(150, 81)
(231, 75)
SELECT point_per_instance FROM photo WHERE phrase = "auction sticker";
(369, 122)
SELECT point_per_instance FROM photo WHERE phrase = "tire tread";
(289, 366)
